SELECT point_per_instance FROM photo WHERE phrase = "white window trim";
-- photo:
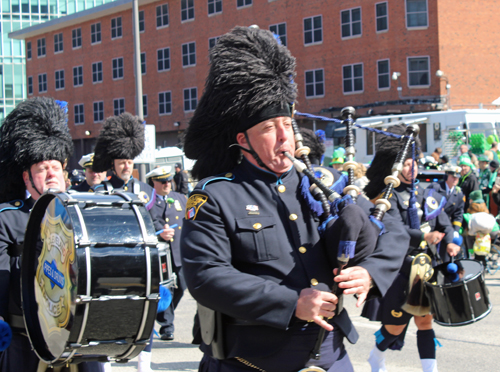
(350, 23)
(93, 111)
(324, 84)
(43, 55)
(81, 39)
(214, 13)
(111, 30)
(97, 42)
(408, 72)
(118, 99)
(156, 17)
(243, 6)
(74, 113)
(417, 27)
(387, 16)
(169, 58)
(304, 31)
(363, 77)
(73, 77)
(378, 73)
(143, 31)
(186, 20)
(171, 104)
(61, 51)
(46, 83)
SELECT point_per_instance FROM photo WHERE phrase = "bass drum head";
(49, 298)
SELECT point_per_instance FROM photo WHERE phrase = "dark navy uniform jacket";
(250, 244)
(173, 214)
(431, 205)
(85, 187)
(13, 220)
(454, 207)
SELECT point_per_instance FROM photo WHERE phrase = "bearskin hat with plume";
(36, 130)
(121, 137)
(386, 150)
(249, 71)
(311, 140)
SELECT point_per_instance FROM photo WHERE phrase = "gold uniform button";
(257, 226)
(293, 217)
(176, 217)
(314, 281)
(281, 188)
(180, 227)
(229, 175)
(17, 203)
(125, 188)
(167, 220)
(302, 250)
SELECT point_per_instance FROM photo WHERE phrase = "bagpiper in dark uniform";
(93, 180)
(173, 215)
(251, 250)
(120, 141)
(422, 213)
(34, 146)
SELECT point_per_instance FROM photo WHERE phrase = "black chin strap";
(32, 183)
(252, 152)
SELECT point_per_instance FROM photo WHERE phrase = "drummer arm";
(444, 225)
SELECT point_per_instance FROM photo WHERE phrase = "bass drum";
(459, 298)
(90, 278)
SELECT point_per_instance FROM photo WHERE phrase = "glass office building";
(17, 14)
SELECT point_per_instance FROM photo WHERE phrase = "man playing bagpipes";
(431, 233)
(251, 250)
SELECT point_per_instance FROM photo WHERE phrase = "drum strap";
(16, 321)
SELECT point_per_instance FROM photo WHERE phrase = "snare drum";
(461, 298)
(90, 283)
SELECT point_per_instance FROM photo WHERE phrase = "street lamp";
(395, 77)
(442, 76)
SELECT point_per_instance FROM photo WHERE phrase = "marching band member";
(92, 179)
(251, 250)
(34, 146)
(395, 310)
(173, 215)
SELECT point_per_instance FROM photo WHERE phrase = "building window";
(315, 83)
(98, 111)
(416, 13)
(165, 103)
(187, 10)
(189, 54)
(214, 6)
(143, 63)
(97, 72)
(190, 99)
(59, 79)
(418, 71)
(144, 105)
(30, 85)
(95, 33)
(162, 16)
(351, 22)
(313, 30)
(42, 83)
(77, 76)
(28, 50)
(79, 114)
(58, 43)
(118, 106)
(383, 73)
(142, 25)
(382, 17)
(41, 47)
(117, 68)
(116, 27)
(163, 59)
(241, 3)
(352, 78)
(280, 30)
(212, 41)
(77, 37)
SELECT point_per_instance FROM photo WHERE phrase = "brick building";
(378, 56)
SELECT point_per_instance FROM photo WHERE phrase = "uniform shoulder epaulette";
(221, 177)
(12, 205)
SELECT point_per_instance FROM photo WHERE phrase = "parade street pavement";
(474, 347)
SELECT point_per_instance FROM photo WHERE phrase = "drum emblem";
(53, 279)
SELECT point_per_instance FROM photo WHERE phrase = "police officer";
(34, 146)
(92, 179)
(173, 215)
(181, 179)
(422, 213)
(251, 250)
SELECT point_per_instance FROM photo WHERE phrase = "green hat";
(465, 160)
(483, 157)
(337, 157)
(476, 196)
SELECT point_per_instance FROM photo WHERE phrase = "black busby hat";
(317, 147)
(386, 150)
(121, 137)
(250, 80)
(35, 131)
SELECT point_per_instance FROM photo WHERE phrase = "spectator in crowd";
(437, 154)
(494, 150)
(181, 179)
(468, 181)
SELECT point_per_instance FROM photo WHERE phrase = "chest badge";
(177, 206)
(143, 197)
(252, 209)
